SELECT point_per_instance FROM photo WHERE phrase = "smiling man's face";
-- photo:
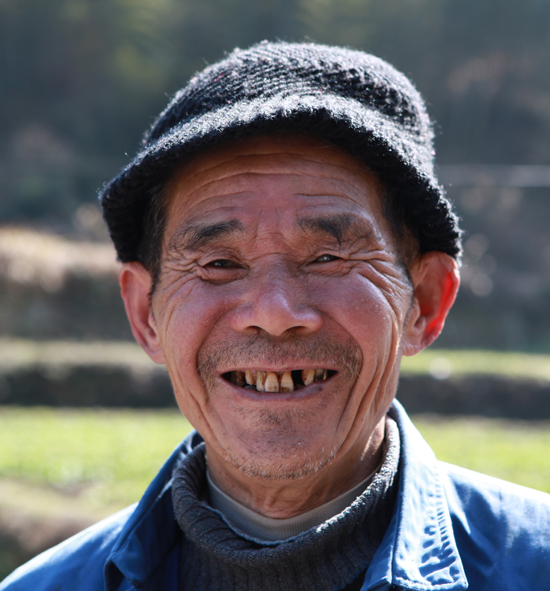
(281, 306)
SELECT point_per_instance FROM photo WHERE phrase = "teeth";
(287, 383)
(271, 382)
(308, 376)
(260, 381)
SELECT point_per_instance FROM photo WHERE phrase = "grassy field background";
(517, 451)
(100, 460)
(104, 459)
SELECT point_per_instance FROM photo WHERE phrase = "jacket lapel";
(419, 550)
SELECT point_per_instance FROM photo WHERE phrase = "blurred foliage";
(30, 354)
(504, 298)
(82, 79)
(51, 287)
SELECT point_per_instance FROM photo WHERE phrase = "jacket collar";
(145, 553)
(418, 552)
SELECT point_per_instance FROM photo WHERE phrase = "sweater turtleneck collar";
(215, 555)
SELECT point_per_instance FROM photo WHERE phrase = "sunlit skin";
(277, 256)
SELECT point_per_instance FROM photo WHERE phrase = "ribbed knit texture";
(215, 556)
(350, 98)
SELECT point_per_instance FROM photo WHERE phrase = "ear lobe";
(135, 285)
(435, 280)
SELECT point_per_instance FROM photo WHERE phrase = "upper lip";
(278, 369)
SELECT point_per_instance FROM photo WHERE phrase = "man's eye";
(326, 258)
(223, 264)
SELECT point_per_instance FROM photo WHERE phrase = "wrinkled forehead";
(280, 164)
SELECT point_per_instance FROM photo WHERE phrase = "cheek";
(373, 318)
(367, 312)
(186, 314)
(185, 320)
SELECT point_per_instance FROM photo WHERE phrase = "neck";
(282, 499)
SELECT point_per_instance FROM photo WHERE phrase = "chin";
(282, 464)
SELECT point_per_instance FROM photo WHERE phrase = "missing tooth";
(271, 381)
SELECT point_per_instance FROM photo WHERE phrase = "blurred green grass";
(517, 451)
(108, 457)
(477, 362)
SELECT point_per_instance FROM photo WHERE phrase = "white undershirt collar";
(269, 529)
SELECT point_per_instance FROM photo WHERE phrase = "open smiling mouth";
(277, 381)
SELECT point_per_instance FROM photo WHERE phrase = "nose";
(276, 302)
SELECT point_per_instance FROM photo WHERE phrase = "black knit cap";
(346, 97)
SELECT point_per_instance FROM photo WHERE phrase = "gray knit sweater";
(216, 556)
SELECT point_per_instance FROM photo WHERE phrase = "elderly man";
(284, 242)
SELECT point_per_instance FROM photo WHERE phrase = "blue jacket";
(451, 529)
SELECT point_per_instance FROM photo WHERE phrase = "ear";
(435, 281)
(135, 286)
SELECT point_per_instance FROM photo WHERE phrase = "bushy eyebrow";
(340, 226)
(195, 236)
